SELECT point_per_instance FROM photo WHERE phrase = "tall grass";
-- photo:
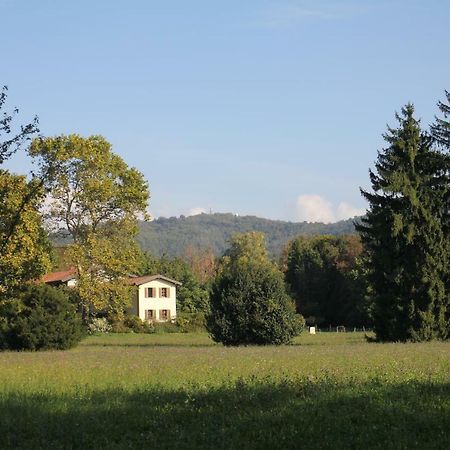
(183, 391)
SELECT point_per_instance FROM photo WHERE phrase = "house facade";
(155, 298)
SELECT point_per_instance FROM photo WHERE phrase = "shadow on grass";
(246, 415)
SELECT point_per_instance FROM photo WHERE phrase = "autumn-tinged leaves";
(98, 199)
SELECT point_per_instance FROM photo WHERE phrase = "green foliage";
(326, 278)
(37, 318)
(24, 245)
(191, 322)
(119, 327)
(136, 325)
(249, 304)
(406, 236)
(132, 324)
(172, 236)
(166, 327)
(440, 130)
(10, 144)
(98, 199)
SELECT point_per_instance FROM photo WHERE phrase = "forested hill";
(171, 236)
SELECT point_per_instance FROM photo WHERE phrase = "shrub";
(148, 327)
(132, 324)
(166, 327)
(99, 325)
(39, 317)
(252, 307)
(119, 327)
(190, 322)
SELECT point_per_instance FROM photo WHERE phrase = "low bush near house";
(39, 317)
(132, 324)
(190, 322)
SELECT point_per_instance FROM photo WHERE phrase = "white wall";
(157, 303)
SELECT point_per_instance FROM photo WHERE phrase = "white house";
(155, 298)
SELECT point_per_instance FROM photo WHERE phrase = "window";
(150, 314)
(164, 314)
(150, 292)
(164, 292)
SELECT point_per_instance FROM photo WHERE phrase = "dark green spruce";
(405, 236)
(440, 130)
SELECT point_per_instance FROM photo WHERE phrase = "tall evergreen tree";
(405, 236)
(440, 130)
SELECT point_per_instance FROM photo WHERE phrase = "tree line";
(170, 236)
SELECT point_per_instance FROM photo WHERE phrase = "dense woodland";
(170, 236)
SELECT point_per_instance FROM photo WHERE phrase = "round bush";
(37, 318)
(250, 306)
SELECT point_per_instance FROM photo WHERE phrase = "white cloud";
(315, 208)
(346, 211)
(195, 211)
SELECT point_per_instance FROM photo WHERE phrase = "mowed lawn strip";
(331, 390)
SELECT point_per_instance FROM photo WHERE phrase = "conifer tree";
(405, 236)
(440, 130)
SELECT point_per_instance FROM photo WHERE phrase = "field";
(328, 391)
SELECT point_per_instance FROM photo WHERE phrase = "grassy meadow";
(331, 390)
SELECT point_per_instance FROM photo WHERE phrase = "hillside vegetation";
(172, 235)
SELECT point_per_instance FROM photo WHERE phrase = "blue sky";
(262, 107)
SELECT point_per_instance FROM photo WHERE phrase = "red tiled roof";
(62, 276)
(137, 281)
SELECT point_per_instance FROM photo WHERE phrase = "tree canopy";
(249, 304)
(325, 277)
(440, 129)
(405, 235)
(97, 199)
(13, 137)
(24, 247)
(173, 236)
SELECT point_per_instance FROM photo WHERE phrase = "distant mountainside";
(171, 236)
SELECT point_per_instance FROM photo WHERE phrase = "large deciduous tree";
(24, 246)
(13, 138)
(405, 235)
(249, 304)
(98, 199)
